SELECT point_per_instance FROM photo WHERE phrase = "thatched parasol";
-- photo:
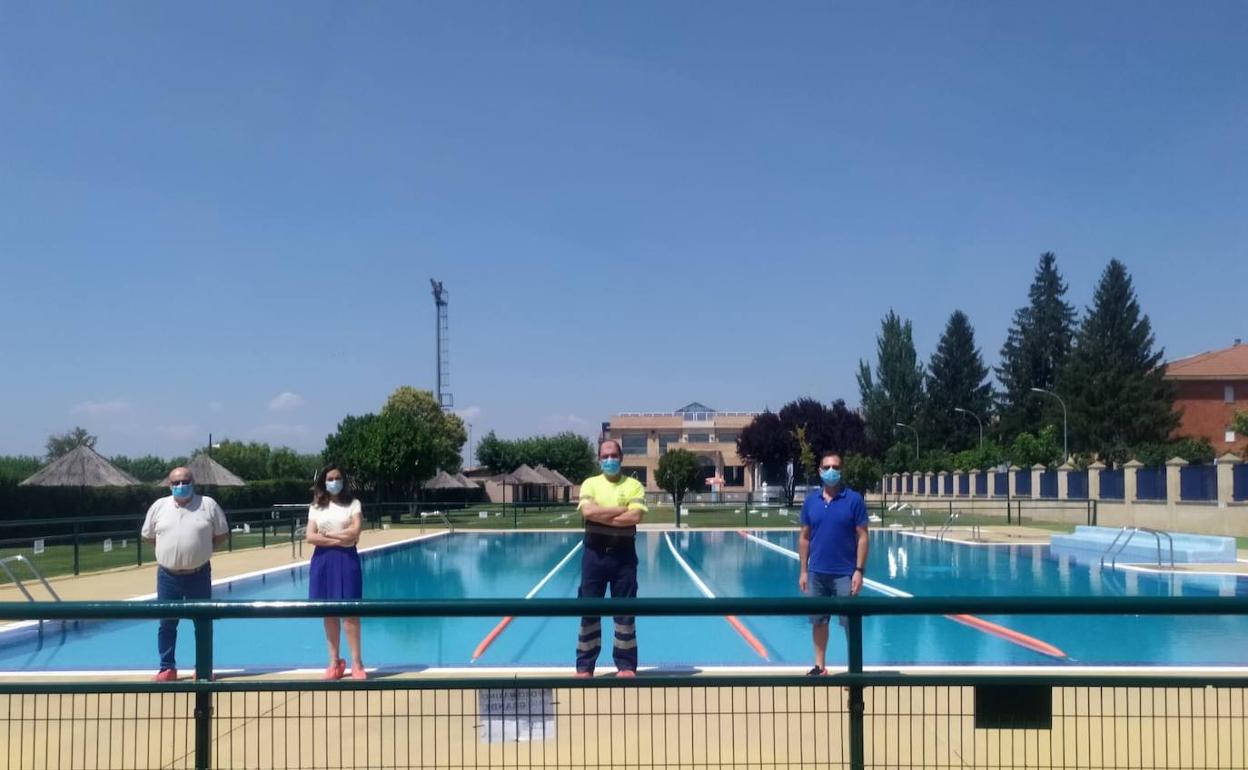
(443, 480)
(208, 472)
(81, 467)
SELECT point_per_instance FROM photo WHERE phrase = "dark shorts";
(819, 584)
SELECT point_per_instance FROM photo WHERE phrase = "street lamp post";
(916, 440)
(981, 424)
(1065, 445)
(471, 464)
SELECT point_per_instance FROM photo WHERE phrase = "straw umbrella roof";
(526, 475)
(443, 480)
(81, 467)
(208, 472)
(466, 482)
(553, 476)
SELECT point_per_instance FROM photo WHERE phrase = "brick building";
(710, 434)
(1209, 388)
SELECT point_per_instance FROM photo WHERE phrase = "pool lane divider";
(971, 621)
(502, 624)
(733, 620)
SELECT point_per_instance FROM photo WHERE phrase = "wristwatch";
(860, 569)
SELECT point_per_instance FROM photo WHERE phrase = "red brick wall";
(1206, 414)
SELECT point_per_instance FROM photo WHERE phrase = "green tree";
(861, 473)
(17, 468)
(1036, 348)
(957, 378)
(828, 428)
(806, 459)
(391, 454)
(449, 433)
(247, 460)
(286, 463)
(149, 468)
(569, 453)
(64, 443)
(766, 442)
(1112, 381)
(678, 474)
(1028, 449)
(1239, 424)
(895, 392)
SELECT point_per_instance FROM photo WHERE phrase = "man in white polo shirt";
(185, 527)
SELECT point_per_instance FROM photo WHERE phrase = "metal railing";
(1131, 532)
(882, 719)
(14, 579)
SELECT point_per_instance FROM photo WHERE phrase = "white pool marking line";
(733, 620)
(1025, 641)
(502, 624)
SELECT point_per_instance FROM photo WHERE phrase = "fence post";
(138, 548)
(77, 528)
(203, 698)
(1226, 477)
(1063, 480)
(229, 538)
(857, 759)
(1094, 480)
(1174, 470)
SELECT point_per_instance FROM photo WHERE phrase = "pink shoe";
(166, 675)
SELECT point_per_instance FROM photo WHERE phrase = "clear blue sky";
(633, 205)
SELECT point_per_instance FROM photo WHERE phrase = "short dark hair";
(830, 453)
(606, 441)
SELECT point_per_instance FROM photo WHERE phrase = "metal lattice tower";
(445, 400)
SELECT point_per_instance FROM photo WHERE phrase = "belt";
(184, 571)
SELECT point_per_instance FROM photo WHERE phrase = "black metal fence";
(858, 719)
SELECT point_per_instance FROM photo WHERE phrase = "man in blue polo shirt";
(832, 548)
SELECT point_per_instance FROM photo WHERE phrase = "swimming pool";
(499, 565)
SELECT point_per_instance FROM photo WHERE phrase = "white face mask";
(333, 487)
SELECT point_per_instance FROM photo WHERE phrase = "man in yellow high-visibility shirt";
(612, 505)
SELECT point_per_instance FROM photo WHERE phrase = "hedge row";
(24, 503)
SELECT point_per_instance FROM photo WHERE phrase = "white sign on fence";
(509, 716)
(108, 545)
(38, 546)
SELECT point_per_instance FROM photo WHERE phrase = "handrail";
(944, 529)
(1131, 532)
(859, 606)
(4, 564)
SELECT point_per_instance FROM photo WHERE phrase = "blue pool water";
(510, 564)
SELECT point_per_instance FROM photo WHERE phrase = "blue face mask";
(610, 465)
(830, 476)
(182, 491)
(333, 487)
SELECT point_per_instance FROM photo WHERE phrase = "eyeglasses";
(830, 468)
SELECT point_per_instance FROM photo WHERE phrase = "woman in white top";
(334, 523)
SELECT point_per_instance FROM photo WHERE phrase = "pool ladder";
(1130, 533)
(916, 515)
(19, 559)
(976, 534)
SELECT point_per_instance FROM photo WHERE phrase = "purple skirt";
(335, 573)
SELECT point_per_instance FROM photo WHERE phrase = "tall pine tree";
(1035, 350)
(1113, 382)
(895, 393)
(956, 377)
